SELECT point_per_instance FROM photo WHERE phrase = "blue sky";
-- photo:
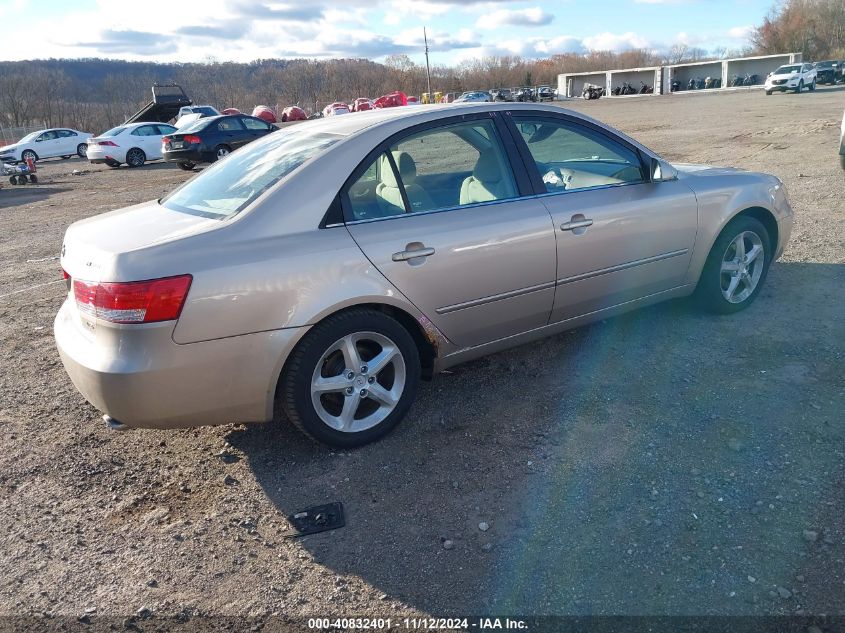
(243, 30)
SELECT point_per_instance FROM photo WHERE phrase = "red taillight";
(64, 274)
(134, 301)
(107, 143)
(192, 139)
(165, 139)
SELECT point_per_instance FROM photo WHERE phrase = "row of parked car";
(543, 93)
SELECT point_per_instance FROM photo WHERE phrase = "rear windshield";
(229, 185)
(113, 132)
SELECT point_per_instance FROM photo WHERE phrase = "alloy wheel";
(742, 266)
(358, 381)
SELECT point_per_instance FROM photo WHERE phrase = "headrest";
(407, 169)
(487, 168)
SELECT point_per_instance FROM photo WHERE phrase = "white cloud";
(534, 16)
(616, 42)
(741, 32)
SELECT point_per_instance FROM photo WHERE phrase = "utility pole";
(427, 67)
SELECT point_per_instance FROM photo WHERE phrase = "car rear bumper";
(189, 155)
(140, 377)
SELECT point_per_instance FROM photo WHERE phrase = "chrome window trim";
(492, 202)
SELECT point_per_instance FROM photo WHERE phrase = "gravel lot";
(664, 462)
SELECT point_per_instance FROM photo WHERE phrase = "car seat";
(389, 195)
(487, 181)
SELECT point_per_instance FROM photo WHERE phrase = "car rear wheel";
(81, 149)
(736, 267)
(135, 157)
(222, 150)
(186, 166)
(351, 379)
(28, 154)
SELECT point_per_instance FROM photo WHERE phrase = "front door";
(440, 215)
(620, 236)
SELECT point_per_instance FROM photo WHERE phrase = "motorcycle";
(646, 89)
(675, 86)
(592, 92)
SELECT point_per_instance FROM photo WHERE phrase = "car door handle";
(576, 224)
(403, 256)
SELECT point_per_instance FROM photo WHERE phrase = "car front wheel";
(351, 379)
(736, 267)
(81, 150)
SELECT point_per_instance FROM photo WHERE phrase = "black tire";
(221, 151)
(294, 391)
(186, 166)
(800, 87)
(28, 153)
(33, 178)
(813, 86)
(768, 93)
(81, 150)
(113, 164)
(135, 157)
(708, 293)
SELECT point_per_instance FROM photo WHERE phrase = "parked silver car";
(281, 276)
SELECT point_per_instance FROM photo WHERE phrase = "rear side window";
(165, 129)
(439, 168)
(114, 131)
(569, 156)
(229, 125)
(146, 130)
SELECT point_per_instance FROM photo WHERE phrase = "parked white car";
(51, 143)
(792, 77)
(133, 144)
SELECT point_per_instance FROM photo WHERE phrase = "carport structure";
(725, 69)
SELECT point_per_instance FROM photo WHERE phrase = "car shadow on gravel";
(17, 195)
(661, 462)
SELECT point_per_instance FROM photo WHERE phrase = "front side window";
(228, 186)
(255, 124)
(570, 157)
(439, 168)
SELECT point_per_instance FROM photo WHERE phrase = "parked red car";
(293, 113)
(362, 103)
(392, 100)
(264, 113)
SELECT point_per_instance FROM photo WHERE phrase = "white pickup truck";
(792, 77)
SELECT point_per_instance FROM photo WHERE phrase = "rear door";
(442, 214)
(231, 132)
(147, 138)
(162, 129)
(620, 236)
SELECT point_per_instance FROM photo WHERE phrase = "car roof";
(359, 121)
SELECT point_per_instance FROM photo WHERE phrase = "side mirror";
(662, 171)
